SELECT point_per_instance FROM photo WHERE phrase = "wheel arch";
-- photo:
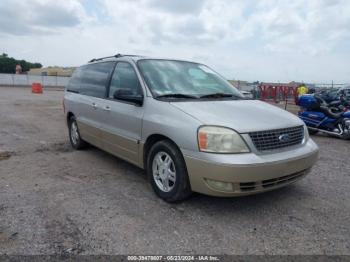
(68, 116)
(150, 141)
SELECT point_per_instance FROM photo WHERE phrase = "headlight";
(220, 140)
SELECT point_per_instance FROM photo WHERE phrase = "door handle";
(94, 105)
(107, 108)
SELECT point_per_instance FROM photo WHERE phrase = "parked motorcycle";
(340, 105)
(332, 119)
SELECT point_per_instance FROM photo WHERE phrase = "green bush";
(8, 64)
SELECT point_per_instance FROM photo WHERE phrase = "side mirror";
(127, 95)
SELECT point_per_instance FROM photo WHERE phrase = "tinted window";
(125, 78)
(95, 78)
(74, 82)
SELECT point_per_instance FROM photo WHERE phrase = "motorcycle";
(332, 119)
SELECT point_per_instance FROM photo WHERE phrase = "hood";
(241, 115)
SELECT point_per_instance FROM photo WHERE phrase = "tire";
(312, 132)
(169, 178)
(74, 136)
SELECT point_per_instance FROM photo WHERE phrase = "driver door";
(121, 130)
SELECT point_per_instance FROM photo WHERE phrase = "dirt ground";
(54, 200)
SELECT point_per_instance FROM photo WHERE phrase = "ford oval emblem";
(283, 138)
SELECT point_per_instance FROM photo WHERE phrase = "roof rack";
(114, 56)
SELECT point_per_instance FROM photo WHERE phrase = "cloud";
(270, 40)
(38, 16)
(310, 27)
(64, 15)
(178, 6)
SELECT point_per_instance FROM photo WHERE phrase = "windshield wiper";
(221, 95)
(176, 96)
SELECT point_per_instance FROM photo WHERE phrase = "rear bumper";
(245, 174)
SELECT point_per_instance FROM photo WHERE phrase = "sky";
(264, 40)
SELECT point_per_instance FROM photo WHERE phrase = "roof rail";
(101, 58)
(114, 56)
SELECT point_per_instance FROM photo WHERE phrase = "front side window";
(168, 77)
(124, 80)
(95, 78)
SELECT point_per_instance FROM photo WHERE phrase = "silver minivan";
(187, 126)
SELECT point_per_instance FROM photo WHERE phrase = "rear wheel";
(167, 172)
(74, 136)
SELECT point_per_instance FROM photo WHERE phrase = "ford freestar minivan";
(186, 126)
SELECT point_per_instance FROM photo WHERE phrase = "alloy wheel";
(164, 172)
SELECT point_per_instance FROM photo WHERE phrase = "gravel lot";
(54, 200)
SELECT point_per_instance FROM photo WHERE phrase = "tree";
(8, 64)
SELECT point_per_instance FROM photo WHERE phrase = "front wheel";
(167, 172)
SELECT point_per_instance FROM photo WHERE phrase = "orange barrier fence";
(278, 92)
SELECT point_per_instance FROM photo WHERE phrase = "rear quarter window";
(94, 79)
(74, 82)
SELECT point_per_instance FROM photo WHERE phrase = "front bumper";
(245, 174)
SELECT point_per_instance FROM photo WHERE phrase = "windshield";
(184, 80)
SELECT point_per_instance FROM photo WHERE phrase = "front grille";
(279, 138)
(270, 183)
